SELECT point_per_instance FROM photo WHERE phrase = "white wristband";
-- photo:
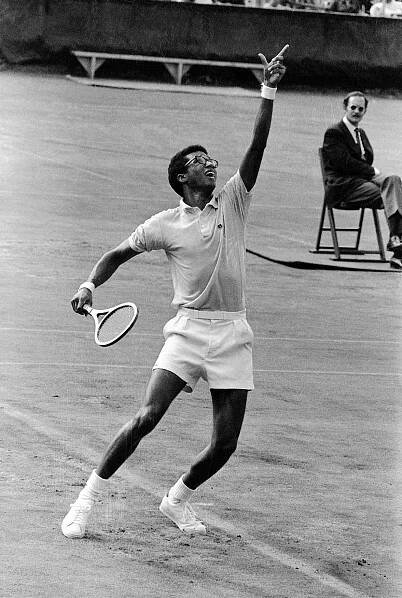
(87, 285)
(268, 93)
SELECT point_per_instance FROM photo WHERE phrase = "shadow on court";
(308, 506)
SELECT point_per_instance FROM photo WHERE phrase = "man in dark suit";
(350, 177)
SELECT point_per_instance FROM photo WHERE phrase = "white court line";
(65, 164)
(64, 331)
(275, 206)
(136, 366)
(329, 372)
(261, 338)
(85, 454)
(272, 233)
(95, 196)
(98, 196)
(326, 340)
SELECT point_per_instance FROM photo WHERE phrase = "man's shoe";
(395, 263)
(183, 516)
(74, 523)
(395, 245)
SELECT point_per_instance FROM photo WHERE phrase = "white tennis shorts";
(215, 346)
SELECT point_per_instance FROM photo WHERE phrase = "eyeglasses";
(358, 108)
(203, 160)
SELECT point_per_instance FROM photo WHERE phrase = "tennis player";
(209, 338)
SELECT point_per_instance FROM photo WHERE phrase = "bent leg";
(162, 388)
(362, 194)
(228, 413)
(381, 192)
(390, 187)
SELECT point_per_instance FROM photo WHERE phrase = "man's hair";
(176, 166)
(355, 93)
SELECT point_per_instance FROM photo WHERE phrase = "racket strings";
(116, 323)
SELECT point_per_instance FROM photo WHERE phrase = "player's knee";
(145, 421)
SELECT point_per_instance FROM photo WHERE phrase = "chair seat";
(351, 208)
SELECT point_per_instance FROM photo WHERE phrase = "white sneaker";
(183, 516)
(74, 523)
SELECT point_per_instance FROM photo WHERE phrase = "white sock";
(180, 492)
(93, 488)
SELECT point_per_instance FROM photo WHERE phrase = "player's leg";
(228, 414)
(162, 388)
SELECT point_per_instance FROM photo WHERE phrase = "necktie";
(359, 141)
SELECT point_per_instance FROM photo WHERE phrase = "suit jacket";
(343, 164)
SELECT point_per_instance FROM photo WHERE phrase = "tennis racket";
(113, 323)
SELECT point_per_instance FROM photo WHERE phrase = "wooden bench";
(177, 67)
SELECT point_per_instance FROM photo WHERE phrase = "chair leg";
(379, 235)
(359, 231)
(320, 227)
(333, 233)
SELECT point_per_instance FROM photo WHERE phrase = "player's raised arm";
(101, 272)
(273, 73)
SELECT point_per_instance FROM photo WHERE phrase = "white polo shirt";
(206, 249)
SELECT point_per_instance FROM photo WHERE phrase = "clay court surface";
(309, 505)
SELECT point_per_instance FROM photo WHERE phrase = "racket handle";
(87, 308)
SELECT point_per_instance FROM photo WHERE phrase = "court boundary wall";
(326, 49)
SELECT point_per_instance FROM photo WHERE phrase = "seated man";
(352, 181)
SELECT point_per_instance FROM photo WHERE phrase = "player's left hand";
(275, 69)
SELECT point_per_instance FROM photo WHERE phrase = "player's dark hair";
(176, 166)
(355, 93)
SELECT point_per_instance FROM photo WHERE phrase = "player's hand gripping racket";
(113, 323)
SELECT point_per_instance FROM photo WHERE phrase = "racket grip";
(87, 308)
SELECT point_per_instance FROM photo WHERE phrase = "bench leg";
(91, 64)
(177, 70)
(181, 71)
(173, 69)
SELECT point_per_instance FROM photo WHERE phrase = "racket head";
(115, 323)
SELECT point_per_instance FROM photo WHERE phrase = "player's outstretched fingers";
(281, 53)
(263, 60)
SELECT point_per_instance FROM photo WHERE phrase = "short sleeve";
(236, 193)
(147, 236)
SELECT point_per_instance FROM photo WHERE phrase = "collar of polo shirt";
(212, 202)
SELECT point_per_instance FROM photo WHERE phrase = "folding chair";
(336, 248)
